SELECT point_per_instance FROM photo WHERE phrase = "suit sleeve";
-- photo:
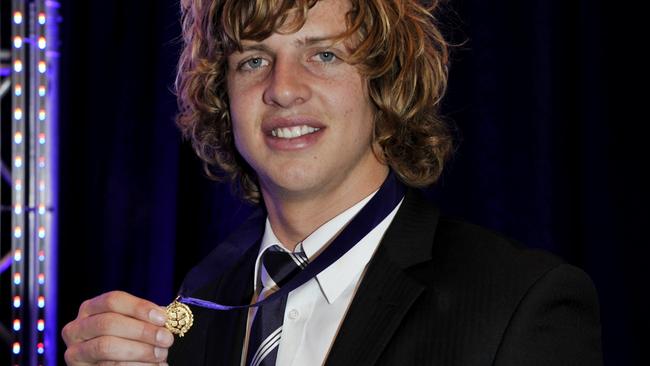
(557, 322)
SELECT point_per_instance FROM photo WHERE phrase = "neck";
(294, 217)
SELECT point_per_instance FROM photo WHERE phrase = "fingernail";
(164, 338)
(157, 316)
(161, 353)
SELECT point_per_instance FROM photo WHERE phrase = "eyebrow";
(255, 47)
(310, 41)
(303, 42)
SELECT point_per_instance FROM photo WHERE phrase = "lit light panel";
(34, 61)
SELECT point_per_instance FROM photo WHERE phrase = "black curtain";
(549, 150)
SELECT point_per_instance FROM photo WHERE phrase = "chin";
(295, 180)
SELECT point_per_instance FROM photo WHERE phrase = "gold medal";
(179, 318)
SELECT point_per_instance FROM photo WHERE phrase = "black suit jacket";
(436, 292)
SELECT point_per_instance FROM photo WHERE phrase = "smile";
(293, 132)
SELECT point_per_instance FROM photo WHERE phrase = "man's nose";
(288, 85)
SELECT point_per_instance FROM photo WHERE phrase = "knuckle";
(103, 324)
(111, 299)
(84, 306)
(68, 357)
(142, 308)
(103, 347)
(72, 355)
(147, 334)
(65, 333)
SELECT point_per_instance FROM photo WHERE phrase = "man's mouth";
(293, 132)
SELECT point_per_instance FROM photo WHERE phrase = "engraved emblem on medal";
(179, 318)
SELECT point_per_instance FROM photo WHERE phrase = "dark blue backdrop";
(549, 151)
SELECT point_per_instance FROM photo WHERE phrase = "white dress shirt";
(315, 310)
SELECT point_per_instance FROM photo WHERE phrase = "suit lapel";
(386, 292)
(225, 338)
(382, 300)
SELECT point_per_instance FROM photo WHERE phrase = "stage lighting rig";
(29, 64)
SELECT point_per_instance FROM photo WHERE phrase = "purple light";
(5, 263)
(51, 334)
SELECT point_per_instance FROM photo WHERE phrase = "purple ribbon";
(375, 211)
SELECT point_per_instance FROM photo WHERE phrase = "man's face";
(301, 116)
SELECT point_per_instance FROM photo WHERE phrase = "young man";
(321, 111)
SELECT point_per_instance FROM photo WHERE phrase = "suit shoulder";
(472, 249)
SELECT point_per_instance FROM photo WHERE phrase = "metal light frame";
(33, 85)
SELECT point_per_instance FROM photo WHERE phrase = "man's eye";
(254, 63)
(326, 56)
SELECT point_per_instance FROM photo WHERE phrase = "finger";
(114, 349)
(124, 303)
(70, 362)
(113, 324)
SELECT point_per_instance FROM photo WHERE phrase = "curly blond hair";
(400, 52)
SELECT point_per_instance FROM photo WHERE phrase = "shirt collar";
(330, 279)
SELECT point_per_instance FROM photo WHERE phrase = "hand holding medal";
(117, 327)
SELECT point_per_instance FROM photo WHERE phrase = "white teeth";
(293, 132)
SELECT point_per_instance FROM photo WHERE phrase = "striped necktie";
(266, 330)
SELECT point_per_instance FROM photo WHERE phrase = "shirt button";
(293, 314)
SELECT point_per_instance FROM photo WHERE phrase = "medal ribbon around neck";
(180, 317)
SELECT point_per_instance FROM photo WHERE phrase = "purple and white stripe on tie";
(269, 345)
(266, 330)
